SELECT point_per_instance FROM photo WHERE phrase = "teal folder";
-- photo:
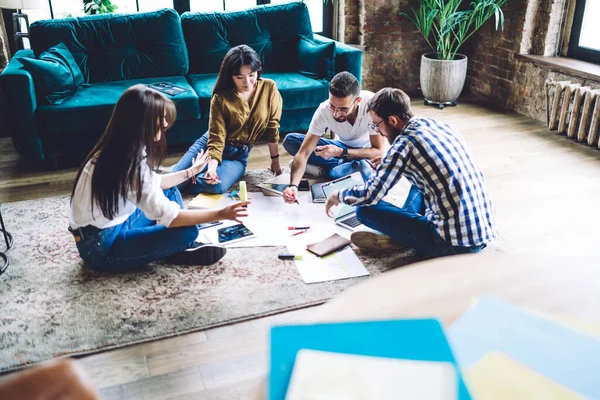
(411, 339)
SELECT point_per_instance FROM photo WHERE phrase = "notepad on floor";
(328, 375)
(206, 201)
(414, 339)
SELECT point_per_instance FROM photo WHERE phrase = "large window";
(585, 35)
(320, 12)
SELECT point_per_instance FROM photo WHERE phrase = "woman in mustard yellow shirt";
(244, 107)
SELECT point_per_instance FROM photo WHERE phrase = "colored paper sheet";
(565, 356)
(498, 377)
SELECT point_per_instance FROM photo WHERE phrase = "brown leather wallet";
(327, 246)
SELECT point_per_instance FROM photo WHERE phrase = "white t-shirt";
(154, 204)
(356, 135)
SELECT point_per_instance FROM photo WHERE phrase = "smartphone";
(304, 186)
(234, 233)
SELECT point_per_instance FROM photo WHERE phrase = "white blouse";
(153, 203)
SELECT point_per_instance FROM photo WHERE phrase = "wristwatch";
(344, 153)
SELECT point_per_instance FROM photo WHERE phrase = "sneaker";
(371, 241)
(311, 169)
(199, 254)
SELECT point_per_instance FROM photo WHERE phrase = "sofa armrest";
(347, 58)
(21, 103)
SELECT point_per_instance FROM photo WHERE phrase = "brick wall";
(393, 46)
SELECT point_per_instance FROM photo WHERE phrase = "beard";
(393, 134)
(340, 119)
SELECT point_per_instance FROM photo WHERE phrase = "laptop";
(346, 214)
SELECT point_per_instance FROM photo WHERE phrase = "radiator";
(573, 110)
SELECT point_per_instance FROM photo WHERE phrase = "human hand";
(290, 194)
(200, 161)
(57, 379)
(376, 161)
(211, 172)
(332, 201)
(329, 151)
(235, 211)
(275, 167)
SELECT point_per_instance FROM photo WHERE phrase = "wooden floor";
(544, 187)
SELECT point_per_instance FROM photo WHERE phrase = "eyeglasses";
(374, 126)
(340, 110)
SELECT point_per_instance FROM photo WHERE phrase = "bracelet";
(291, 184)
(275, 157)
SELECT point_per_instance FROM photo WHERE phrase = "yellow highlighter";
(243, 191)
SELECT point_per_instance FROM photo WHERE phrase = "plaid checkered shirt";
(435, 159)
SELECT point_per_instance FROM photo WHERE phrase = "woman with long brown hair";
(244, 108)
(124, 215)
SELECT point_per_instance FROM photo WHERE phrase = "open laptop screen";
(343, 183)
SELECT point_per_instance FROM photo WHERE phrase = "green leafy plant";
(447, 24)
(99, 7)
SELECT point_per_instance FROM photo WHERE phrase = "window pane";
(39, 13)
(151, 5)
(315, 9)
(233, 5)
(67, 8)
(206, 6)
(126, 6)
(590, 29)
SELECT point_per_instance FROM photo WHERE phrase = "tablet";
(234, 233)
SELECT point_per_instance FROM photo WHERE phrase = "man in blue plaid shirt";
(447, 211)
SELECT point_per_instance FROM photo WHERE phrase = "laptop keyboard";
(352, 222)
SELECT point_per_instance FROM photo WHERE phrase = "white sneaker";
(311, 169)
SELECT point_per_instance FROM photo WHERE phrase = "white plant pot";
(442, 80)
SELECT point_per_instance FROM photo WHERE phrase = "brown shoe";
(371, 241)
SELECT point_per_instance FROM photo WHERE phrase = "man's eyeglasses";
(339, 110)
(374, 126)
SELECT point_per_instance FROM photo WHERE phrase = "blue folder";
(415, 339)
(561, 354)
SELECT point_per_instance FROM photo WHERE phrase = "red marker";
(299, 233)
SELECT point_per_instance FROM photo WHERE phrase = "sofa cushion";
(316, 60)
(55, 73)
(273, 31)
(112, 47)
(92, 105)
(297, 91)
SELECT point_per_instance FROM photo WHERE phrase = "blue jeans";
(232, 167)
(408, 226)
(135, 243)
(336, 167)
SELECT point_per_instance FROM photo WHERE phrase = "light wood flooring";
(545, 189)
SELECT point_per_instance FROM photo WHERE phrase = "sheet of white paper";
(319, 375)
(340, 265)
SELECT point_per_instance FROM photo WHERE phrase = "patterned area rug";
(53, 305)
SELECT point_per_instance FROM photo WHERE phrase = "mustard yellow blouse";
(237, 121)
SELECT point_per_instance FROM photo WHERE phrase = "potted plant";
(93, 7)
(446, 26)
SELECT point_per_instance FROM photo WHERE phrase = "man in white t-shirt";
(345, 114)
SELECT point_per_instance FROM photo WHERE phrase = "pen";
(299, 233)
(297, 228)
(289, 257)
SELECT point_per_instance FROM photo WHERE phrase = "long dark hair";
(232, 63)
(138, 116)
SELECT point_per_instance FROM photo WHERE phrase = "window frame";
(576, 51)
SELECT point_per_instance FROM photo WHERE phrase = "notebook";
(412, 339)
(275, 186)
(327, 246)
(346, 214)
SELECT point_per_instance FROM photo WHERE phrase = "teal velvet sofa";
(115, 52)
